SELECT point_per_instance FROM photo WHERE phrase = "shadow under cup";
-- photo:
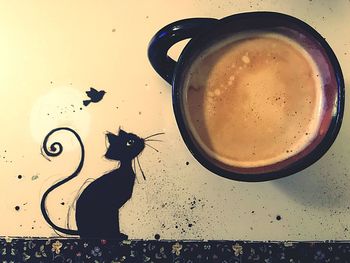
(282, 25)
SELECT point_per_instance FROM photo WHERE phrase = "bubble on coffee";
(254, 99)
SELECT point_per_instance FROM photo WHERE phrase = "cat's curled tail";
(55, 150)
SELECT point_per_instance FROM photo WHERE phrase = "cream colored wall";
(49, 49)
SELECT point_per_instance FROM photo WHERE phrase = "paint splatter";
(34, 177)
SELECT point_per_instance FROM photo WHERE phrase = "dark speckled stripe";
(75, 250)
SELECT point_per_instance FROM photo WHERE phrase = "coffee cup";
(257, 96)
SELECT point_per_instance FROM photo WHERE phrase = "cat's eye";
(130, 142)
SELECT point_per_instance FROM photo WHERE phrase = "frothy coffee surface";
(254, 100)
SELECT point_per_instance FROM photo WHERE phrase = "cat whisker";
(159, 133)
(152, 147)
(134, 167)
(143, 174)
(153, 140)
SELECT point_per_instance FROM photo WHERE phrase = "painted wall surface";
(52, 52)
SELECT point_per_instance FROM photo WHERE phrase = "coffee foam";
(248, 106)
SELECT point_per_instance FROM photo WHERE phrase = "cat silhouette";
(97, 207)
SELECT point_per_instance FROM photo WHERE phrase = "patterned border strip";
(76, 250)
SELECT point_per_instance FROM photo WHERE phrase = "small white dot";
(210, 100)
(246, 59)
(217, 92)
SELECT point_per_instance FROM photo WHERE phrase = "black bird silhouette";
(94, 95)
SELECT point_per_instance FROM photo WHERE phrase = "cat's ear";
(111, 137)
(122, 133)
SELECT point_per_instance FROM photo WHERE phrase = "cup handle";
(165, 38)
